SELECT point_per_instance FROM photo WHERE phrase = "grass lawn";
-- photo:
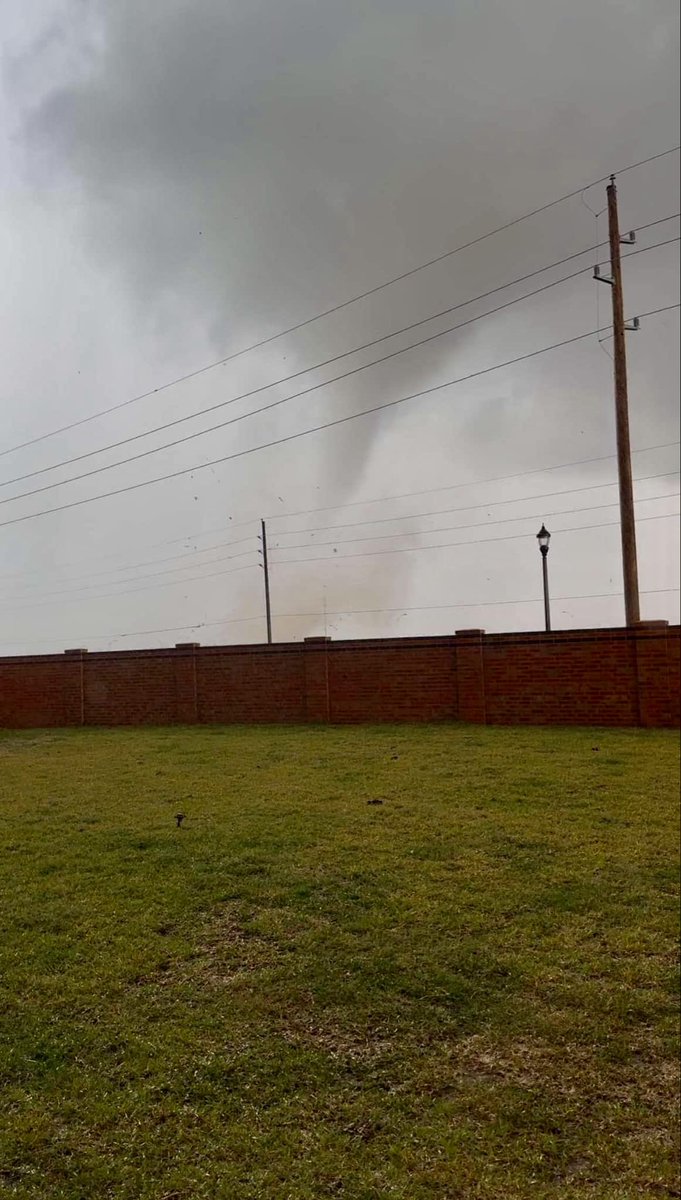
(466, 991)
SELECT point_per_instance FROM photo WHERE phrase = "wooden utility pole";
(266, 569)
(626, 489)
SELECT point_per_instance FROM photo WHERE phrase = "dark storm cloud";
(239, 167)
(253, 162)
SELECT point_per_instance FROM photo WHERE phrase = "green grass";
(467, 991)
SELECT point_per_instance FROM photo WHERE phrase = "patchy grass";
(466, 991)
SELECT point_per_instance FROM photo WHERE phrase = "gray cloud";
(233, 169)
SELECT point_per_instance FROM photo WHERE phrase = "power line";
(373, 537)
(375, 500)
(153, 561)
(152, 575)
(274, 403)
(323, 558)
(588, 487)
(132, 591)
(343, 612)
(328, 361)
(319, 428)
(199, 533)
(337, 307)
(642, 162)
(448, 487)
(168, 542)
(376, 537)
(285, 562)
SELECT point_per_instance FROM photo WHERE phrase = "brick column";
(317, 700)
(470, 675)
(186, 690)
(74, 686)
(652, 674)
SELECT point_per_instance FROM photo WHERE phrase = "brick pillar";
(652, 674)
(186, 690)
(470, 675)
(74, 686)
(317, 700)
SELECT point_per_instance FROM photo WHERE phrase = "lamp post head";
(544, 537)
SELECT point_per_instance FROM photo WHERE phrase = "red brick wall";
(250, 685)
(560, 679)
(39, 692)
(413, 679)
(581, 677)
(130, 689)
(674, 650)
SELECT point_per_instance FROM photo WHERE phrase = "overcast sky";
(182, 180)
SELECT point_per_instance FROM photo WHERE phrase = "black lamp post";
(544, 537)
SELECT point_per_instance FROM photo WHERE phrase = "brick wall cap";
(187, 645)
(316, 640)
(77, 650)
(469, 633)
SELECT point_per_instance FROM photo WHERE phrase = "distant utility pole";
(266, 569)
(626, 489)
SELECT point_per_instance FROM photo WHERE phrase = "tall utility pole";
(627, 520)
(266, 569)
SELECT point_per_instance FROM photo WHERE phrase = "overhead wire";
(151, 575)
(153, 561)
(312, 545)
(318, 428)
(336, 358)
(48, 598)
(342, 305)
(340, 613)
(448, 487)
(281, 400)
(436, 512)
(378, 537)
(343, 612)
(335, 558)
(375, 500)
